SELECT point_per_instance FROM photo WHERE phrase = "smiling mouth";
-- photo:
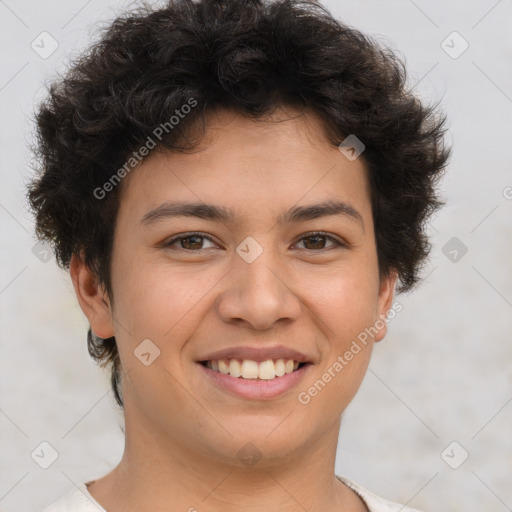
(253, 370)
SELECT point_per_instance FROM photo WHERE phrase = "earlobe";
(385, 301)
(92, 298)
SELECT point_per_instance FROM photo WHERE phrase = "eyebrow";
(222, 214)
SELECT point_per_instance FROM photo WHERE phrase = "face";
(275, 280)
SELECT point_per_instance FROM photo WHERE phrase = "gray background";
(443, 373)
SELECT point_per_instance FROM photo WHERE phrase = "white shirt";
(80, 500)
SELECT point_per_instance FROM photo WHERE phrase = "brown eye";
(193, 242)
(317, 241)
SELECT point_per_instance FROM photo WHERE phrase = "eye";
(191, 242)
(194, 242)
(318, 239)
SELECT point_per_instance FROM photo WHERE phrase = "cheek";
(345, 309)
(343, 304)
(333, 388)
(154, 300)
(154, 303)
(343, 299)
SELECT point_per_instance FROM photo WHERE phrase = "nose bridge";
(258, 291)
(262, 276)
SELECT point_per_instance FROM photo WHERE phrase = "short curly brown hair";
(248, 55)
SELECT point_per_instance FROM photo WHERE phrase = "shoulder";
(373, 502)
(77, 500)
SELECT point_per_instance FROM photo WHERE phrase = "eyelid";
(181, 236)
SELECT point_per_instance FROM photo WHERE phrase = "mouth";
(249, 369)
(252, 380)
(255, 372)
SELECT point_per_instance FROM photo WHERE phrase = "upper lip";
(257, 354)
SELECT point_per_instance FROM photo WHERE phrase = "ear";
(92, 297)
(385, 300)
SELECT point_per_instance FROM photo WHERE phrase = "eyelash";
(172, 241)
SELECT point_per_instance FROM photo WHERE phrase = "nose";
(258, 294)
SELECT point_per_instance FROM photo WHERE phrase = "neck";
(156, 471)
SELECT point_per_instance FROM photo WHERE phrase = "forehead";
(244, 163)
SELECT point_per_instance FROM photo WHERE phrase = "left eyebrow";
(315, 211)
(218, 213)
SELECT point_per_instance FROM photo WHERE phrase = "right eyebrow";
(199, 210)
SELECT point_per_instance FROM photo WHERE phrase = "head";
(243, 109)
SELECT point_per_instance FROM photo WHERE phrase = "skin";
(182, 432)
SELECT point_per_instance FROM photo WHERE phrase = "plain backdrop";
(439, 386)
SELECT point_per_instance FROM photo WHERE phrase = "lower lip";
(256, 389)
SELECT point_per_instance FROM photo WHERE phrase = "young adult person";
(237, 188)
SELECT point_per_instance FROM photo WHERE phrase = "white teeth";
(279, 367)
(266, 370)
(223, 367)
(235, 368)
(248, 369)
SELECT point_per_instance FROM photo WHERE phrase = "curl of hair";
(251, 56)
